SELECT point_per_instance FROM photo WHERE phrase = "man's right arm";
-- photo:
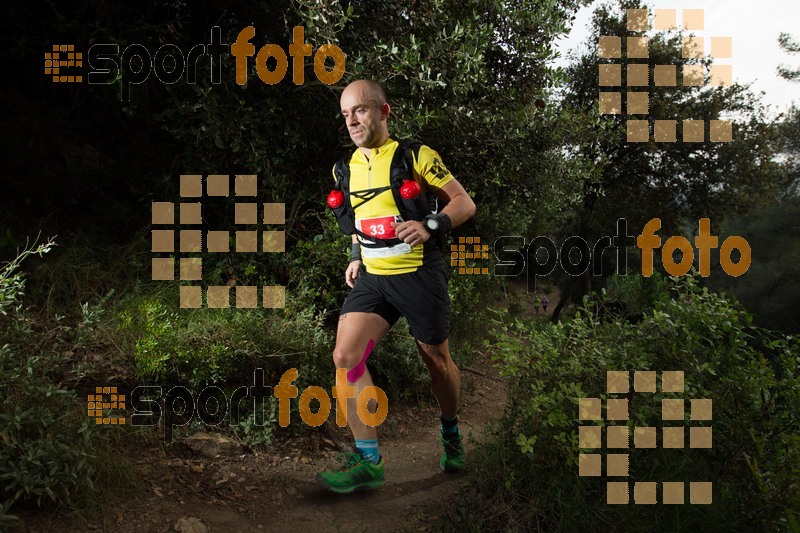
(351, 273)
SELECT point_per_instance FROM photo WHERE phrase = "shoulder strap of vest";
(403, 161)
(342, 173)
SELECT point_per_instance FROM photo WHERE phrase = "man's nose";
(352, 121)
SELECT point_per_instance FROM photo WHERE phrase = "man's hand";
(352, 273)
(412, 232)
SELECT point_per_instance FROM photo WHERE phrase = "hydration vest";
(401, 170)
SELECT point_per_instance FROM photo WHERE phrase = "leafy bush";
(530, 466)
(49, 448)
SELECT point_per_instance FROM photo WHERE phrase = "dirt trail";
(276, 491)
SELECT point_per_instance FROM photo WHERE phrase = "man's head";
(365, 113)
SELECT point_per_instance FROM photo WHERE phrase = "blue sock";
(369, 450)
(449, 425)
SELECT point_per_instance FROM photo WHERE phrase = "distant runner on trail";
(384, 198)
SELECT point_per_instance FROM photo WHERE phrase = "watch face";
(432, 224)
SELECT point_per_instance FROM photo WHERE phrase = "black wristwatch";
(437, 224)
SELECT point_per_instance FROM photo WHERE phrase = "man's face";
(363, 117)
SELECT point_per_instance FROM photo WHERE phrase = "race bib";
(378, 228)
(381, 228)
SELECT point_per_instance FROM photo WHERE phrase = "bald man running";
(405, 279)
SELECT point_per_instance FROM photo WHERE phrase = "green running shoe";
(354, 474)
(453, 457)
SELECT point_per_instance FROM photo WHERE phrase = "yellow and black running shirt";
(375, 216)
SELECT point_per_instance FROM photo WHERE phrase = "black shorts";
(419, 296)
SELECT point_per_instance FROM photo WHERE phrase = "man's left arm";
(459, 209)
(459, 206)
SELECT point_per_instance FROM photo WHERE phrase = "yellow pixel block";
(217, 241)
(246, 241)
(700, 492)
(191, 297)
(672, 380)
(617, 409)
(693, 19)
(665, 75)
(274, 297)
(638, 131)
(644, 493)
(191, 213)
(722, 47)
(590, 437)
(610, 103)
(700, 437)
(617, 381)
(191, 240)
(721, 75)
(721, 131)
(693, 75)
(644, 437)
(672, 492)
(665, 131)
(246, 297)
(245, 185)
(218, 296)
(637, 20)
(191, 268)
(617, 464)
(637, 47)
(638, 75)
(666, 19)
(617, 493)
(274, 213)
(245, 213)
(644, 381)
(701, 409)
(672, 409)
(638, 102)
(589, 465)
(163, 213)
(617, 436)
(693, 131)
(163, 240)
(217, 184)
(672, 437)
(589, 409)
(191, 185)
(274, 241)
(692, 47)
(610, 47)
(163, 268)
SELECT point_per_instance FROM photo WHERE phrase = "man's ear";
(385, 110)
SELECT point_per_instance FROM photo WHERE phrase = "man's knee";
(438, 359)
(344, 357)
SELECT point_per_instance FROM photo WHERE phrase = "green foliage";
(769, 288)
(530, 467)
(253, 434)
(49, 448)
(675, 181)
(194, 347)
(47, 441)
(12, 282)
(792, 46)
